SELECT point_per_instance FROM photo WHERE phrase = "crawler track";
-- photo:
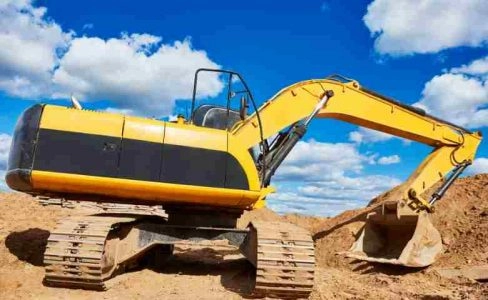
(285, 260)
(75, 254)
(80, 253)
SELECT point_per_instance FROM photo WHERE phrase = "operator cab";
(215, 116)
(224, 110)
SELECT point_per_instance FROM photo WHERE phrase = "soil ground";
(218, 271)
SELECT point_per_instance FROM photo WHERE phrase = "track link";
(75, 252)
(285, 261)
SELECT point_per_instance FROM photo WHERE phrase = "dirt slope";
(220, 273)
(461, 217)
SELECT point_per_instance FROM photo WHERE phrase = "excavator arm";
(398, 230)
(454, 147)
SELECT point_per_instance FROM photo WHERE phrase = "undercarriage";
(86, 251)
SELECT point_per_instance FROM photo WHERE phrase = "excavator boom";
(406, 213)
(453, 146)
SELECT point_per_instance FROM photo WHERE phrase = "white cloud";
(326, 178)
(292, 202)
(329, 197)
(388, 160)
(477, 67)
(5, 141)
(480, 165)
(366, 135)
(119, 111)
(356, 188)
(29, 44)
(3, 184)
(87, 26)
(172, 118)
(403, 27)
(458, 97)
(315, 161)
(135, 71)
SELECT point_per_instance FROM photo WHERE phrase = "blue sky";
(139, 56)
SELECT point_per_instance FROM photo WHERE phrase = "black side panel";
(140, 160)
(193, 166)
(96, 155)
(236, 178)
(24, 140)
(22, 150)
(77, 153)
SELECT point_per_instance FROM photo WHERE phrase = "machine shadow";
(360, 217)
(28, 245)
(364, 267)
(236, 273)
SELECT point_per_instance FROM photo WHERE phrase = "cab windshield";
(227, 108)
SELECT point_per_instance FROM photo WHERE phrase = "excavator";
(205, 170)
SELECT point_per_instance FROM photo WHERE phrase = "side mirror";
(243, 108)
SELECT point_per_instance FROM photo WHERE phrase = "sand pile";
(263, 214)
(266, 214)
(461, 217)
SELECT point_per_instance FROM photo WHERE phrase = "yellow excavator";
(207, 169)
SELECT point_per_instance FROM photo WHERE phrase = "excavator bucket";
(410, 240)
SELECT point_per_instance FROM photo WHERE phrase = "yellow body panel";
(194, 136)
(150, 191)
(82, 121)
(244, 158)
(144, 129)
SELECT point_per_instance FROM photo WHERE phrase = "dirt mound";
(336, 235)
(461, 217)
(262, 214)
(266, 214)
(307, 222)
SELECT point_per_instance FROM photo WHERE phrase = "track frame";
(85, 251)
